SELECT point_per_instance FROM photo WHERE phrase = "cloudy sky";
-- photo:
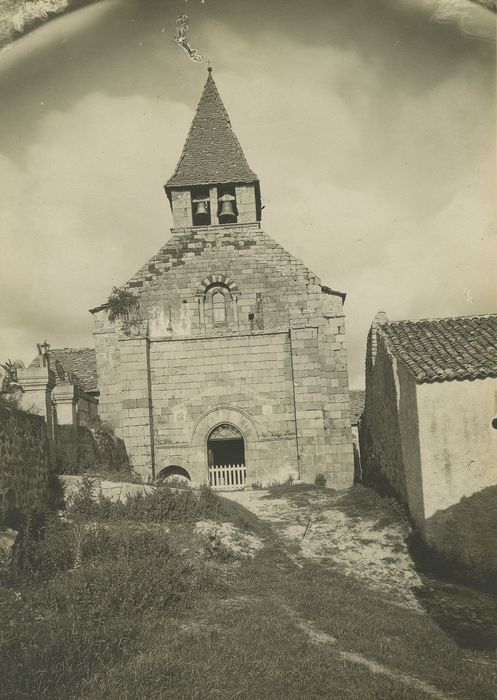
(370, 125)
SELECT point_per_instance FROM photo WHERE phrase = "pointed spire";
(212, 154)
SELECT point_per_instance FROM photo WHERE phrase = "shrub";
(102, 541)
(83, 449)
(320, 480)
(214, 547)
(120, 304)
(161, 505)
(123, 585)
(44, 546)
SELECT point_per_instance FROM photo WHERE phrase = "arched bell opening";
(227, 210)
(201, 212)
(226, 457)
(174, 475)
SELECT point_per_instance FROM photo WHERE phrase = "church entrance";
(226, 458)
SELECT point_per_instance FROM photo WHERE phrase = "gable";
(266, 284)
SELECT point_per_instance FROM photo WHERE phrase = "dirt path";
(364, 536)
(367, 543)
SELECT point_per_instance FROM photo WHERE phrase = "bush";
(162, 505)
(123, 585)
(320, 480)
(44, 547)
(83, 449)
(104, 542)
(83, 619)
(120, 304)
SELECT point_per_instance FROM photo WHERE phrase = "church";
(228, 365)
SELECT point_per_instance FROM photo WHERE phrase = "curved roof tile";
(437, 350)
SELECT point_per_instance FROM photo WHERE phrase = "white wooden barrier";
(227, 477)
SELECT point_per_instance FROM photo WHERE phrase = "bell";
(201, 209)
(227, 210)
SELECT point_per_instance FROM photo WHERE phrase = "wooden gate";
(228, 477)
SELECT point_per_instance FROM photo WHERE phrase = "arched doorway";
(174, 475)
(226, 457)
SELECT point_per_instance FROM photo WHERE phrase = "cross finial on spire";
(209, 67)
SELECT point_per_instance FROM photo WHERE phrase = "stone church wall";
(270, 295)
(248, 375)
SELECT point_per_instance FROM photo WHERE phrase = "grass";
(126, 603)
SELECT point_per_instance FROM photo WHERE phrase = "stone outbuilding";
(429, 424)
(74, 392)
(230, 364)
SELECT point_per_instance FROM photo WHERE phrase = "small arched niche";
(174, 475)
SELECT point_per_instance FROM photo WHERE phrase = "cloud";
(82, 214)
(377, 172)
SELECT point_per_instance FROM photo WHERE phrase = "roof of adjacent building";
(445, 349)
(212, 154)
(81, 363)
(357, 398)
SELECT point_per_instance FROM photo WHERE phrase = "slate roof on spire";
(212, 153)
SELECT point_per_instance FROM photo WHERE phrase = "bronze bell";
(201, 209)
(227, 210)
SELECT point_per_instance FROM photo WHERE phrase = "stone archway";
(225, 414)
(174, 473)
(227, 464)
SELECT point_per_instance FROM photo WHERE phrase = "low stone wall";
(81, 449)
(24, 463)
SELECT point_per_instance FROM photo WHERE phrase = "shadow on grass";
(461, 602)
(243, 518)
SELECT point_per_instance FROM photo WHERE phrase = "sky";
(369, 124)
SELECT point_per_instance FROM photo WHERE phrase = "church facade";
(232, 366)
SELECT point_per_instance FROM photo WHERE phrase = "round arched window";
(218, 307)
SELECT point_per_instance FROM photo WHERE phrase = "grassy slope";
(235, 634)
(246, 644)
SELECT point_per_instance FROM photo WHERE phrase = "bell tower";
(213, 184)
